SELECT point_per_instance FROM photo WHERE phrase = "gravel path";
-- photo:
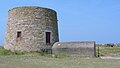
(109, 57)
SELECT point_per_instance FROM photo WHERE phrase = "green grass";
(108, 51)
(10, 59)
(4, 52)
(8, 52)
(48, 62)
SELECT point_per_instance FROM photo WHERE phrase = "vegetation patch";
(8, 52)
(108, 51)
(4, 52)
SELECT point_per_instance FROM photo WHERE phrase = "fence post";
(98, 52)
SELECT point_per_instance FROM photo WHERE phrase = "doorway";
(48, 37)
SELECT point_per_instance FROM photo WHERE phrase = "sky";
(78, 20)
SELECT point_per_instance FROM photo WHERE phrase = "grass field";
(37, 60)
(108, 51)
(48, 62)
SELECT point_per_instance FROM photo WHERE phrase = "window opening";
(48, 37)
(18, 34)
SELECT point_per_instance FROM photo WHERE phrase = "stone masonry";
(27, 26)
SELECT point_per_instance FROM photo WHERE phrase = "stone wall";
(33, 22)
(75, 48)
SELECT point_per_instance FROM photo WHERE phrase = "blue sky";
(78, 20)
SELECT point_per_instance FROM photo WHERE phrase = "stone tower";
(31, 28)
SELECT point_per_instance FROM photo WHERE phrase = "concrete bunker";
(75, 48)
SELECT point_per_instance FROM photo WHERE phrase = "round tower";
(31, 29)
